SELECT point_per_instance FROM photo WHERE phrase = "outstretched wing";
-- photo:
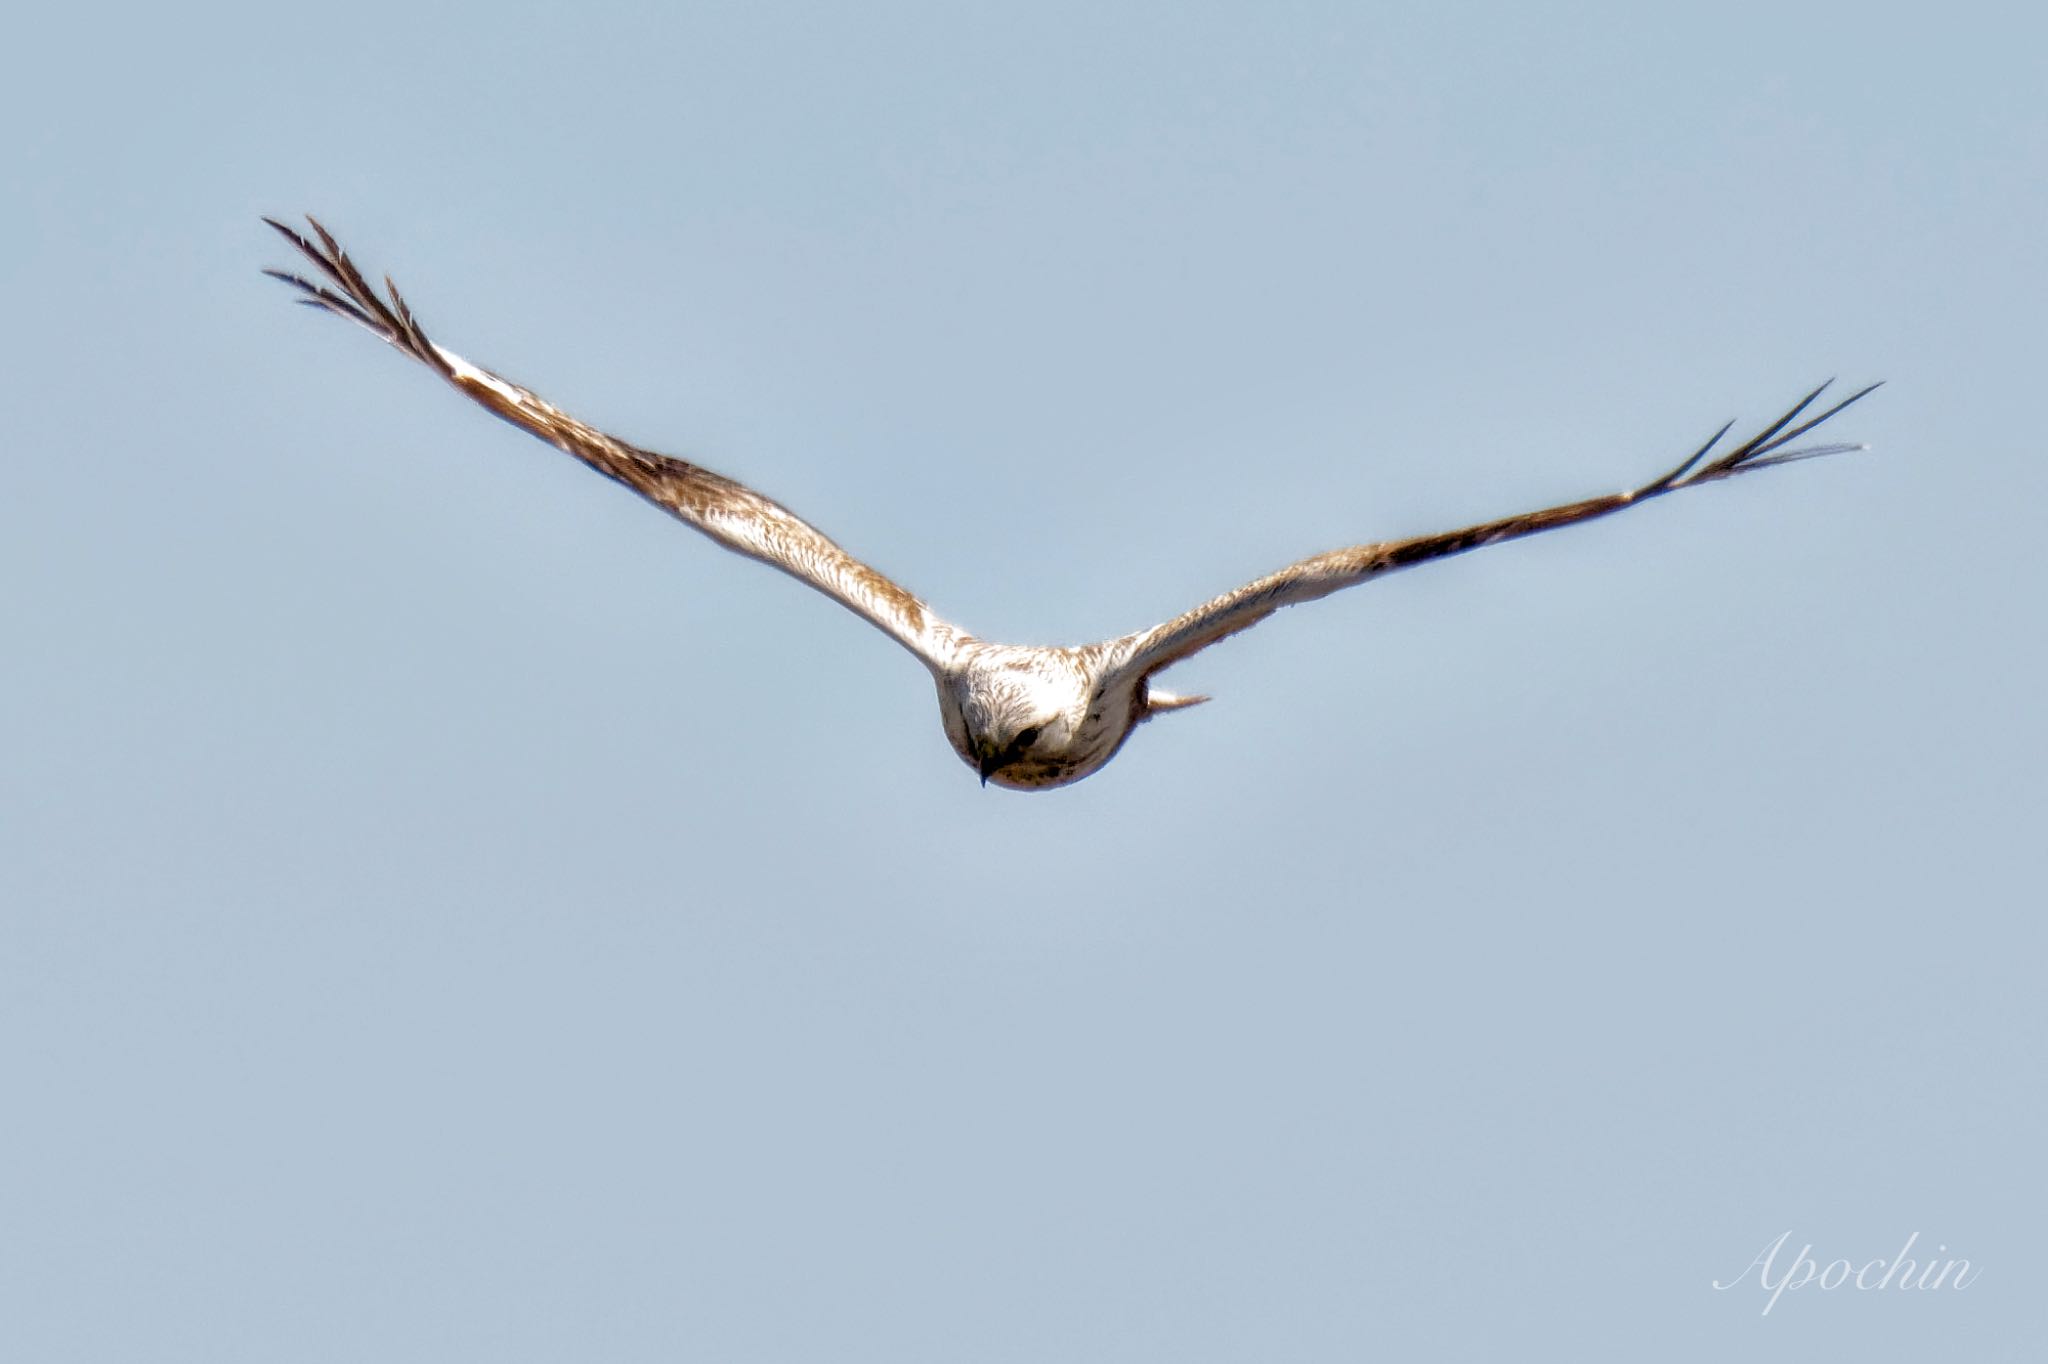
(729, 512)
(1148, 651)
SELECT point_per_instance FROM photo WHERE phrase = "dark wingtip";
(1774, 439)
(352, 296)
(289, 233)
(1768, 446)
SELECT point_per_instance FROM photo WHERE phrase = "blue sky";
(451, 911)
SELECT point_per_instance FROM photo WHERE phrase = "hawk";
(1023, 716)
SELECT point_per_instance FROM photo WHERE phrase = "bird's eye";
(1026, 738)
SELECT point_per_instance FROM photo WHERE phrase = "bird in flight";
(1028, 717)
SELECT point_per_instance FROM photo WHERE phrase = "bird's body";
(1026, 717)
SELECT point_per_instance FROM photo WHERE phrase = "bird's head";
(1030, 719)
(1021, 718)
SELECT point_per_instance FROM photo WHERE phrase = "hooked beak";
(990, 760)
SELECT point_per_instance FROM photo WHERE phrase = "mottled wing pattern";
(729, 512)
(1148, 651)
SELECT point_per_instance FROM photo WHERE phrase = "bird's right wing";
(728, 511)
(1148, 651)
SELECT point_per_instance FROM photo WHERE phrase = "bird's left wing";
(1148, 651)
(726, 510)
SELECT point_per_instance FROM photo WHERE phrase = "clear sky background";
(453, 912)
